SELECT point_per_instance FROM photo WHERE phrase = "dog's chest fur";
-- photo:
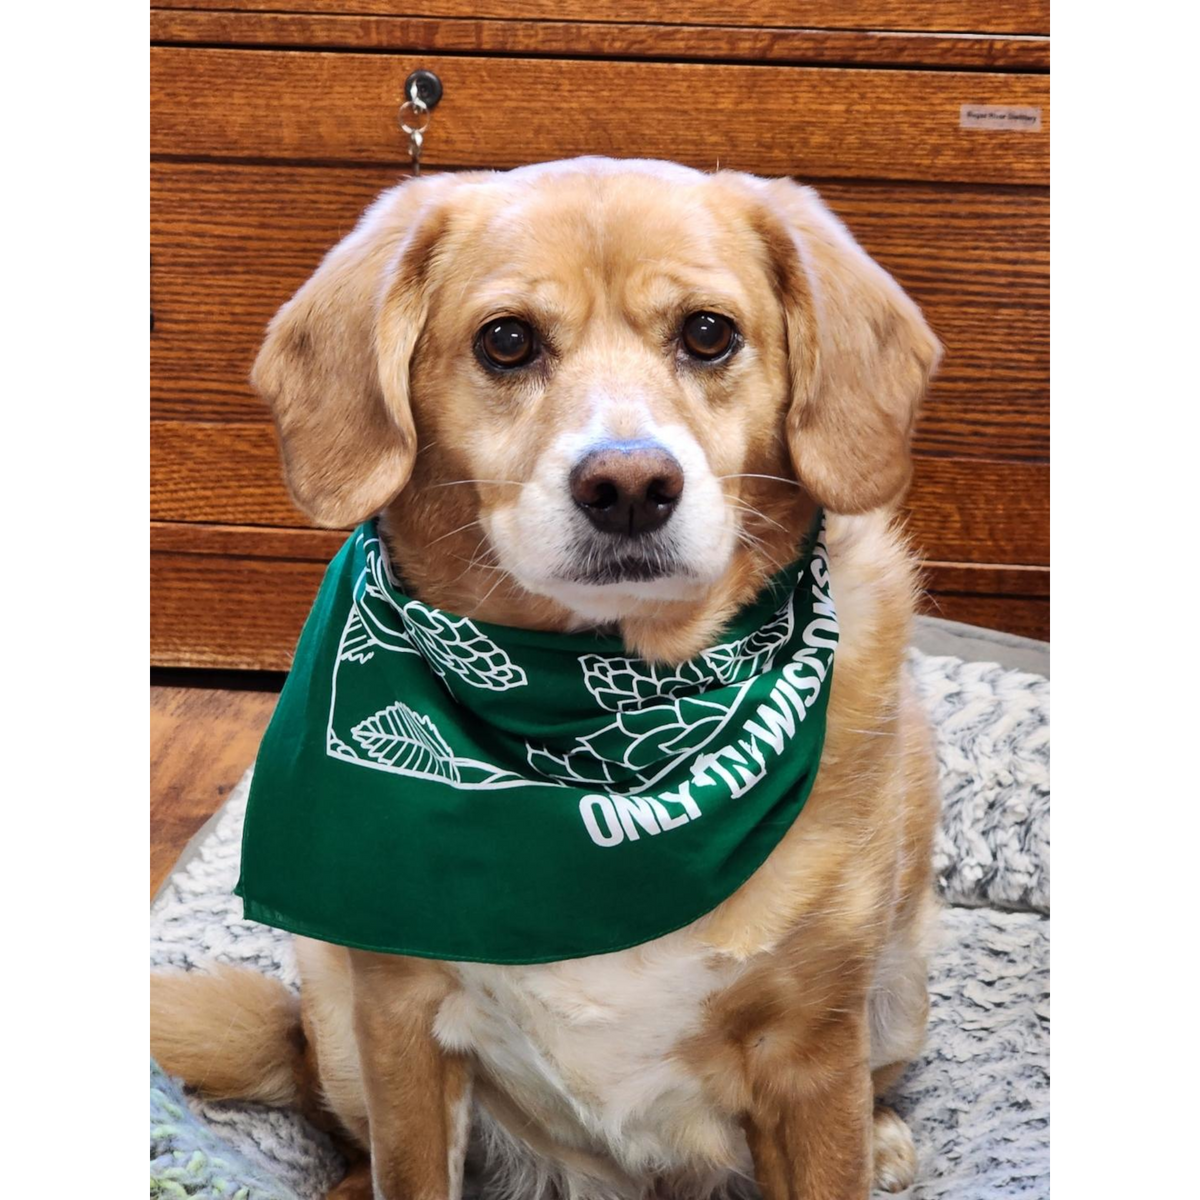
(585, 1049)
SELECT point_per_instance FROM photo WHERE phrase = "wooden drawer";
(815, 122)
(563, 35)
(265, 157)
(988, 16)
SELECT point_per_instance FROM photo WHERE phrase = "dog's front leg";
(418, 1095)
(809, 1132)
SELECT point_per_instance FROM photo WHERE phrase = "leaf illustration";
(406, 740)
(451, 645)
(454, 645)
(620, 684)
(753, 654)
(357, 644)
(640, 740)
(382, 621)
(636, 746)
(336, 748)
(378, 614)
(629, 684)
(579, 765)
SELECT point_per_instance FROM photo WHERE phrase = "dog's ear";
(334, 365)
(860, 355)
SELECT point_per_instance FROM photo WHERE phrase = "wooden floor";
(202, 739)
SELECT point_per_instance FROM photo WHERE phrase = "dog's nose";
(627, 487)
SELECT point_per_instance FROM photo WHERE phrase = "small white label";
(1000, 116)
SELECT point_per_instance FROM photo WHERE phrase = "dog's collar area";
(434, 786)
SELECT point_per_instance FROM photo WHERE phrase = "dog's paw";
(895, 1156)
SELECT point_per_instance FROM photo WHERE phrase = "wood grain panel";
(556, 38)
(248, 541)
(961, 510)
(211, 610)
(826, 122)
(991, 16)
(995, 596)
(975, 511)
(1028, 616)
(223, 473)
(231, 243)
(993, 579)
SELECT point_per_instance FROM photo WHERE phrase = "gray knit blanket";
(978, 1099)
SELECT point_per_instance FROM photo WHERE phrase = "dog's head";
(616, 387)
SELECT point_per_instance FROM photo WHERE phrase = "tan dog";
(600, 392)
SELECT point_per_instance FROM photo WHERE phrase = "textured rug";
(188, 1157)
(978, 1099)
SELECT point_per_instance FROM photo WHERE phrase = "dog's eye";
(707, 336)
(506, 343)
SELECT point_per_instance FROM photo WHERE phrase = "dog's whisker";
(459, 482)
(475, 566)
(757, 545)
(469, 561)
(488, 594)
(452, 532)
(751, 475)
(756, 512)
(482, 549)
(747, 536)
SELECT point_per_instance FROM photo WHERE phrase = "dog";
(601, 393)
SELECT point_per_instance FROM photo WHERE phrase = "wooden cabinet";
(271, 131)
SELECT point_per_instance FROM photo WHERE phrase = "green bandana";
(441, 787)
